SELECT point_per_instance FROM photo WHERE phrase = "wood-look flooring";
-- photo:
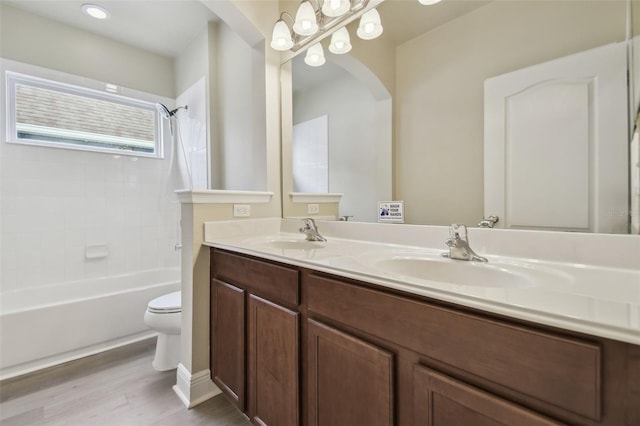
(114, 388)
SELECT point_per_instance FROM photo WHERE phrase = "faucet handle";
(488, 222)
(458, 231)
(309, 223)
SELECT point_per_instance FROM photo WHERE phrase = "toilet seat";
(168, 304)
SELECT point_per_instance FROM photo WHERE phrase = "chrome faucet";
(488, 222)
(458, 244)
(311, 230)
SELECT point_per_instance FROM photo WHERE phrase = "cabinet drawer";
(263, 278)
(560, 371)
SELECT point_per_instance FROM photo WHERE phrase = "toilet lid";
(167, 304)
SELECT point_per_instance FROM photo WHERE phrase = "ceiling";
(402, 21)
(166, 26)
(160, 26)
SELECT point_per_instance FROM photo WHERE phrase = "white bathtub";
(41, 327)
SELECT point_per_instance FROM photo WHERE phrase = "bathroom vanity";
(299, 335)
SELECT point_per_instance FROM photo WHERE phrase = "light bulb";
(429, 2)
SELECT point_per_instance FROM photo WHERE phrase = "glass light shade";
(428, 2)
(370, 26)
(281, 39)
(315, 56)
(340, 42)
(333, 8)
(306, 23)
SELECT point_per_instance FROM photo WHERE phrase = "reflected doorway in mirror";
(311, 155)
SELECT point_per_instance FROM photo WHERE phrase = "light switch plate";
(313, 208)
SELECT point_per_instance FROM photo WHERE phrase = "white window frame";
(13, 79)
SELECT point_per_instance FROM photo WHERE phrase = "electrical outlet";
(241, 210)
(313, 208)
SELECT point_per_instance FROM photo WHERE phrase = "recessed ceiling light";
(95, 11)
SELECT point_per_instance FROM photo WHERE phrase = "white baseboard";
(194, 389)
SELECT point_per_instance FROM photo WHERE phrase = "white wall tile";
(55, 202)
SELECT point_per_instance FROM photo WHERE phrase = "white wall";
(354, 129)
(240, 113)
(193, 73)
(190, 153)
(439, 95)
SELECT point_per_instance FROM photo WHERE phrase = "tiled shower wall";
(56, 203)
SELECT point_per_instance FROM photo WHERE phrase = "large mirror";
(438, 65)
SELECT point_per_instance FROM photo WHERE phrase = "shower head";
(164, 111)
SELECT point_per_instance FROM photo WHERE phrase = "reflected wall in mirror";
(434, 62)
(181, 50)
(358, 122)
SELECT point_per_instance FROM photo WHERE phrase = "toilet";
(164, 315)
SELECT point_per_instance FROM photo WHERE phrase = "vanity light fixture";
(95, 11)
(310, 21)
(315, 56)
(293, 34)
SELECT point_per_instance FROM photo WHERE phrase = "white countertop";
(569, 285)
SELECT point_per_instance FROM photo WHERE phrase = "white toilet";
(164, 315)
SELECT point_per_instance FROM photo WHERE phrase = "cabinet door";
(228, 340)
(350, 381)
(273, 364)
(442, 401)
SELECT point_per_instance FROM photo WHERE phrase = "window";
(49, 113)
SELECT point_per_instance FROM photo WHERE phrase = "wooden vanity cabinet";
(350, 381)
(323, 350)
(228, 340)
(255, 337)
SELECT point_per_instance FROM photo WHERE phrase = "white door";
(556, 148)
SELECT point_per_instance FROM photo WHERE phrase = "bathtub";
(45, 326)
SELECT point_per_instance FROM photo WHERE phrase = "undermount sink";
(434, 268)
(455, 272)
